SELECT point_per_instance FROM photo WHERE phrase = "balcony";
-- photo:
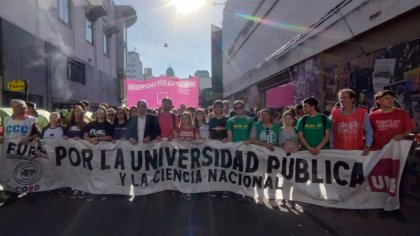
(93, 12)
(109, 30)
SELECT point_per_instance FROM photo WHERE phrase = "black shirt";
(99, 129)
(218, 128)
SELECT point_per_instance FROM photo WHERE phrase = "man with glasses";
(239, 129)
(143, 126)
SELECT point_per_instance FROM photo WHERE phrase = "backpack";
(324, 122)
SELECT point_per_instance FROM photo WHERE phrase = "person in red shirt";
(389, 123)
(168, 121)
(186, 129)
(350, 125)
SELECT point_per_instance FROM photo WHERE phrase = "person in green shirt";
(313, 128)
(266, 133)
(239, 127)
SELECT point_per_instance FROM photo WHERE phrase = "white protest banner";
(334, 178)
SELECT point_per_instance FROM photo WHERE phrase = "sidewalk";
(349, 222)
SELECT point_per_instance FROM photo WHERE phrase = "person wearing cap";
(226, 109)
(18, 128)
(40, 122)
(389, 123)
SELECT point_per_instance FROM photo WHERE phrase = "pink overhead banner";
(180, 91)
(281, 96)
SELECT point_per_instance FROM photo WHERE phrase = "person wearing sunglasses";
(111, 113)
(239, 127)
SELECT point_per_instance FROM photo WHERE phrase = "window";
(64, 11)
(89, 31)
(106, 45)
(76, 71)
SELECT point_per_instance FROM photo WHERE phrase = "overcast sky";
(187, 36)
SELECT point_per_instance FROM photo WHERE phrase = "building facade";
(206, 93)
(134, 66)
(321, 48)
(216, 62)
(170, 72)
(148, 73)
(66, 50)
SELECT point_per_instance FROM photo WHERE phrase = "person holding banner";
(314, 128)
(389, 123)
(239, 128)
(201, 124)
(217, 124)
(120, 124)
(77, 124)
(75, 130)
(266, 133)
(217, 128)
(53, 128)
(99, 129)
(18, 128)
(186, 129)
(288, 138)
(350, 125)
(111, 115)
(167, 120)
(186, 132)
(143, 126)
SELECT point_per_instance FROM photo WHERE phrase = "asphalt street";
(203, 215)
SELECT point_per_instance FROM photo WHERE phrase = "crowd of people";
(303, 127)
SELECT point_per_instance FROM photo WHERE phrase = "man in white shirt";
(143, 126)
